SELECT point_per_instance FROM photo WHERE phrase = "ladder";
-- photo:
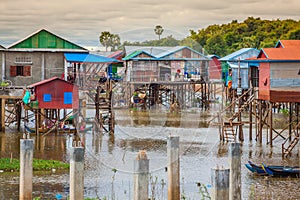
(228, 133)
(242, 108)
(286, 151)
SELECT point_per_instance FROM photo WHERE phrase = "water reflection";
(173, 119)
(140, 117)
(143, 144)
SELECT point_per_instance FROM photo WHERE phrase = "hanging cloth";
(26, 97)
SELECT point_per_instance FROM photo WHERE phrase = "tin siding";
(285, 75)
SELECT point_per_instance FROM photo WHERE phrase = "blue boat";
(283, 172)
(258, 169)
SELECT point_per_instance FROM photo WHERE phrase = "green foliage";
(3, 83)
(167, 41)
(8, 164)
(203, 191)
(158, 30)
(227, 38)
(108, 39)
(253, 32)
(284, 112)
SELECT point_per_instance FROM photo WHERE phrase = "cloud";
(82, 21)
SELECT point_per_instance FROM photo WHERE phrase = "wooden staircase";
(286, 151)
(228, 132)
(242, 108)
(229, 125)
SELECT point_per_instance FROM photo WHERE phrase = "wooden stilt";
(271, 123)
(250, 121)
(260, 122)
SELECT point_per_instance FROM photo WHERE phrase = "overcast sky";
(82, 21)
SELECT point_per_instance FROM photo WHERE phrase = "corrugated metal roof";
(159, 52)
(152, 50)
(212, 56)
(170, 51)
(288, 43)
(44, 32)
(136, 53)
(239, 53)
(117, 55)
(46, 50)
(291, 53)
(88, 58)
(46, 81)
(178, 48)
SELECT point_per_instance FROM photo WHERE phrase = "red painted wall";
(215, 69)
(264, 81)
(57, 88)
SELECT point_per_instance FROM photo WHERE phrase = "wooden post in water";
(271, 123)
(260, 123)
(76, 173)
(18, 107)
(26, 159)
(220, 184)
(3, 115)
(173, 168)
(250, 121)
(141, 176)
(234, 154)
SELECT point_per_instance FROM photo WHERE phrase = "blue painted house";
(239, 61)
(152, 64)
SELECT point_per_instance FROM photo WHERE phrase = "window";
(20, 71)
(23, 60)
(254, 76)
(68, 97)
(47, 97)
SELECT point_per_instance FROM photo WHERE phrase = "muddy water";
(109, 159)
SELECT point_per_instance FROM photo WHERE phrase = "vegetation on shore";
(8, 164)
(223, 39)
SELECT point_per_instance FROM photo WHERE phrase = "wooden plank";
(284, 96)
(10, 97)
(3, 115)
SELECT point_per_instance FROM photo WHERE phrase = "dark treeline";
(226, 38)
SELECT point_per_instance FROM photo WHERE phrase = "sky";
(82, 21)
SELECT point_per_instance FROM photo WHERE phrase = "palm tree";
(115, 41)
(158, 30)
(105, 39)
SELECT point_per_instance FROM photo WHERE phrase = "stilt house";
(279, 72)
(55, 93)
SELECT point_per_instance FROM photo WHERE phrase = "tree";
(105, 39)
(216, 45)
(158, 30)
(115, 41)
(108, 39)
(294, 35)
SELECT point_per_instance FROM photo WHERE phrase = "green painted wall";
(225, 68)
(45, 39)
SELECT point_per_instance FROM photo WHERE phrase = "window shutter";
(27, 70)
(13, 71)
